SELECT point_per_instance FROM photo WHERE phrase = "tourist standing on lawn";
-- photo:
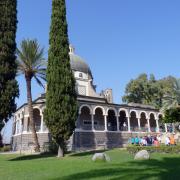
(137, 140)
(132, 140)
(159, 138)
(156, 142)
(167, 141)
(172, 140)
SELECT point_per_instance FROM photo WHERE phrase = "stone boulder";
(142, 155)
(100, 157)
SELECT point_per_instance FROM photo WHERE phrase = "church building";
(101, 123)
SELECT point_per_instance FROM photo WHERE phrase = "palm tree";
(172, 100)
(31, 64)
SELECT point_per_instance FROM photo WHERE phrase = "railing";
(112, 128)
(86, 127)
(99, 127)
(123, 128)
(153, 129)
(135, 129)
(45, 129)
(38, 128)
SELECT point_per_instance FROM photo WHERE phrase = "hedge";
(5, 149)
(161, 149)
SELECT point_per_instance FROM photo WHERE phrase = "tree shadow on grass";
(32, 157)
(164, 169)
(81, 154)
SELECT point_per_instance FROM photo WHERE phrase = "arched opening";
(14, 128)
(99, 120)
(143, 122)
(22, 128)
(18, 127)
(123, 124)
(134, 122)
(111, 121)
(161, 124)
(85, 122)
(152, 122)
(37, 119)
(28, 125)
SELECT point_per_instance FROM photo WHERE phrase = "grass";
(80, 167)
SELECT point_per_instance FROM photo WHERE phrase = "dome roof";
(78, 64)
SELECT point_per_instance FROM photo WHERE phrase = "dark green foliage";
(172, 115)
(5, 148)
(61, 100)
(148, 91)
(132, 149)
(8, 84)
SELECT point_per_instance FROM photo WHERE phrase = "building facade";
(100, 124)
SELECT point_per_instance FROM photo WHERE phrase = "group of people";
(169, 140)
(152, 140)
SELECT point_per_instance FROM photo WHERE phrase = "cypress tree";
(61, 100)
(8, 84)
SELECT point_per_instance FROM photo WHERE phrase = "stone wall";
(101, 140)
(80, 141)
(24, 142)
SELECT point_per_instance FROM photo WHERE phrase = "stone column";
(105, 123)
(166, 127)
(173, 127)
(26, 123)
(117, 119)
(157, 125)
(92, 121)
(129, 124)
(139, 123)
(16, 127)
(42, 123)
(149, 128)
(77, 123)
(22, 126)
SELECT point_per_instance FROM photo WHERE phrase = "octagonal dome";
(78, 63)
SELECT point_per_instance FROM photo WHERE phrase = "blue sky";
(119, 39)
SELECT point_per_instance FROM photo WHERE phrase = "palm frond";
(30, 60)
(39, 82)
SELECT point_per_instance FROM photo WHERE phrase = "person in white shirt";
(167, 141)
(159, 138)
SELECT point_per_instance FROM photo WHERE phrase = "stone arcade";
(101, 123)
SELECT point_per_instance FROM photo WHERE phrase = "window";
(82, 90)
(87, 122)
(80, 75)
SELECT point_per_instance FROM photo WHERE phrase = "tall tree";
(172, 115)
(172, 98)
(61, 100)
(137, 90)
(149, 91)
(8, 84)
(31, 64)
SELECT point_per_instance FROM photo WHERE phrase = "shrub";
(53, 147)
(5, 149)
(161, 149)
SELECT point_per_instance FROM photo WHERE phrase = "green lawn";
(80, 167)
